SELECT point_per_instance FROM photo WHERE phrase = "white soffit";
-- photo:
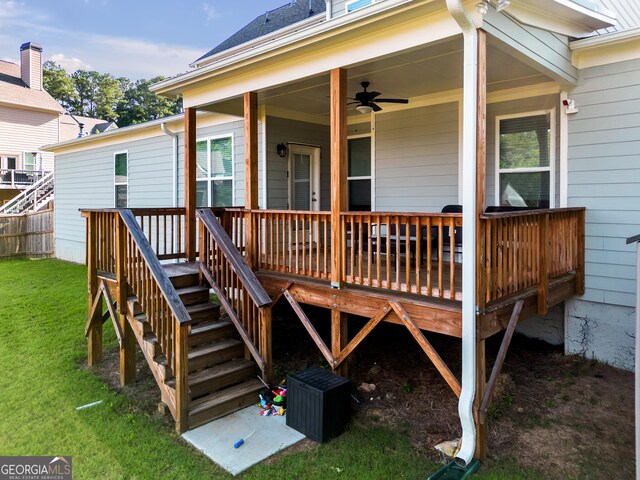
(572, 18)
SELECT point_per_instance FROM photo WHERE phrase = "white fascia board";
(606, 49)
(561, 16)
(257, 49)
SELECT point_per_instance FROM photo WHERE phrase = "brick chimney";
(31, 65)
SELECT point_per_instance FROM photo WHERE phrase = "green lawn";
(42, 315)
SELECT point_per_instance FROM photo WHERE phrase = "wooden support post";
(339, 339)
(580, 267)
(128, 342)
(481, 174)
(250, 173)
(190, 182)
(94, 351)
(481, 387)
(543, 267)
(266, 343)
(182, 380)
(497, 366)
(481, 171)
(338, 170)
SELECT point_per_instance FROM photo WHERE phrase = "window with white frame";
(214, 175)
(359, 174)
(525, 159)
(121, 179)
(354, 5)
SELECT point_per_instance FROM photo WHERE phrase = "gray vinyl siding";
(337, 8)
(281, 130)
(550, 52)
(85, 179)
(416, 165)
(604, 176)
(524, 105)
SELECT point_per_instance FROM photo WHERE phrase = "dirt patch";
(563, 415)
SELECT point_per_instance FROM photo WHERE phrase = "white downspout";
(465, 404)
(163, 127)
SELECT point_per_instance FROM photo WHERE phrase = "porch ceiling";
(423, 71)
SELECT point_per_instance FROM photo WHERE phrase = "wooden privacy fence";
(27, 235)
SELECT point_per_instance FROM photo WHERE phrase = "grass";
(42, 314)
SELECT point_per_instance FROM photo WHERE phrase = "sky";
(135, 38)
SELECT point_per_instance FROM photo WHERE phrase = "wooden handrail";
(155, 267)
(238, 289)
(527, 213)
(245, 274)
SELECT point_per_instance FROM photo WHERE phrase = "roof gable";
(269, 22)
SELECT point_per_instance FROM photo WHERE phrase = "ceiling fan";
(368, 101)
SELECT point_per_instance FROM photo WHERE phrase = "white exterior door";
(304, 178)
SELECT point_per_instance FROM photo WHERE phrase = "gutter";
(163, 127)
(469, 124)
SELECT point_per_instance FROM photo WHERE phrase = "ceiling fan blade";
(375, 107)
(354, 103)
(392, 100)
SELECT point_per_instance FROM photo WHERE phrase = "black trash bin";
(318, 403)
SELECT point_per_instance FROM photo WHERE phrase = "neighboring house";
(558, 129)
(75, 126)
(29, 119)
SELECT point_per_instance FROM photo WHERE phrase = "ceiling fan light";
(502, 4)
(364, 109)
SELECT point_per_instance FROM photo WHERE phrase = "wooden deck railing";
(526, 248)
(117, 244)
(293, 242)
(240, 292)
(406, 252)
(162, 227)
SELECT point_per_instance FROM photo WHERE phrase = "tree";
(58, 83)
(93, 94)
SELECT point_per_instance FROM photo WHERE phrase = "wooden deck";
(393, 268)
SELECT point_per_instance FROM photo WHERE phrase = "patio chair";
(446, 238)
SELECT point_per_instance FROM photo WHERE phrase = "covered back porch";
(300, 239)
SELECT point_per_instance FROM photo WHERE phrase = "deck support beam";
(128, 340)
(190, 182)
(338, 169)
(339, 339)
(481, 175)
(94, 333)
(251, 172)
(497, 366)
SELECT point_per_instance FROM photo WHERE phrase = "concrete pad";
(216, 439)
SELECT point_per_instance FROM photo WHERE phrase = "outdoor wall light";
(281, 148)
(364, 109)
(482, 7)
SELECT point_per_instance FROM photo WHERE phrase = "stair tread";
(180, 269)
(193, 289)
(225, 395)
(219, 370)
(199, 329)
(213, 347)
(202, 307)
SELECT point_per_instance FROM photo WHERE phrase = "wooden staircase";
(221, 379)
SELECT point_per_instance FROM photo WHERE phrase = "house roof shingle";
(14, 91)
(269, 22)
(69, 128)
